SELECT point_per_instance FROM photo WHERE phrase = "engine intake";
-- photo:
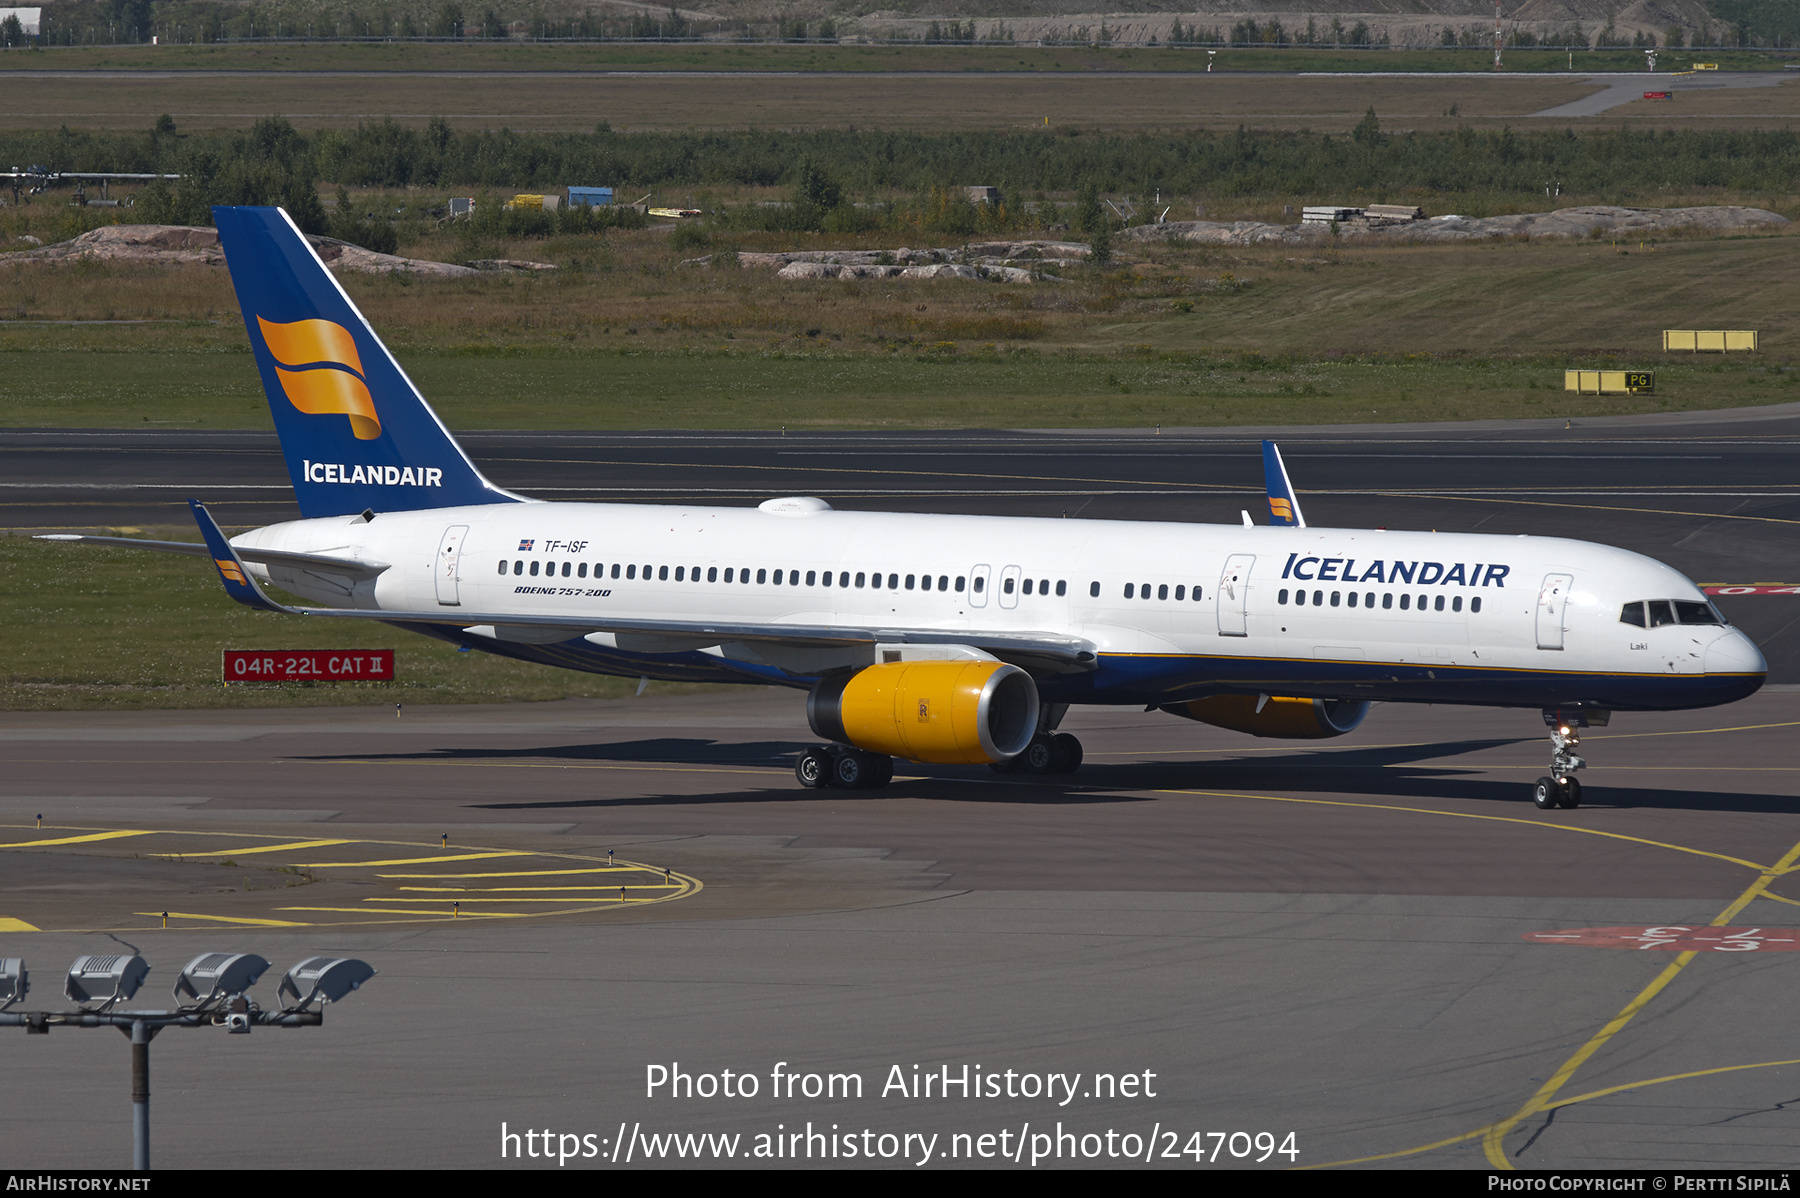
(947, 712)
(1279, 718)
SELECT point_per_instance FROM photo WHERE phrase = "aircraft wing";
(352, 567)
(1048, 649)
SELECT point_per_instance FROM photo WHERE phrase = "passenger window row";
(1143, 591)
(1669, 611)
(1367, 599)
(767, 577)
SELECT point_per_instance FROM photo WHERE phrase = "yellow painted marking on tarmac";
(416, 914)
(1693, 731)
(1493, 1142)
(266, 848)
(1777, 898)
(412, 860)
(232, 919)
(523, 889)
(1657, 1081)
(8, 924)
(1504, 819)
(84, 839)
(560, 898)
(1391, 1156)
(527, 873)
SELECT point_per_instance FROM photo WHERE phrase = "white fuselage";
(1172, 609)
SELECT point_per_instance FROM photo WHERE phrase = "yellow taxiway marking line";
(528, 873)
(394, 898)
(413, 860)
(266, 848)
(1657, 1081)
(445, 915)
(645, 885)
(1492, 1143)
(8, 924)
(234, 919)
(91, 836)
(1504, 819)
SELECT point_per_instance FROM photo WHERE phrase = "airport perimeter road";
(1715, 495)
(1201, 945)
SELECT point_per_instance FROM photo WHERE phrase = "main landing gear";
(1048, 753)
(1560, 789)
(841, 765)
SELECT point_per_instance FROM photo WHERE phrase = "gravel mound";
(192, 244)
(1564, 222)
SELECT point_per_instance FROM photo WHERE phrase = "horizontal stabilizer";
(352, 567)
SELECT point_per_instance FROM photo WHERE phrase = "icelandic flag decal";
(525, 545)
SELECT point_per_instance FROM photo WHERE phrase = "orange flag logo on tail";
(327, 373)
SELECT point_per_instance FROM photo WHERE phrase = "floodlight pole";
(141, 1035)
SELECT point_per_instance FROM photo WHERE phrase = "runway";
(1376, 944)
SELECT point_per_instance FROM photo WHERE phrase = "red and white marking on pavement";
(1677, 939)
(1763, 588)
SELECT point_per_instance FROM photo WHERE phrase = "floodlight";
(13, 981)
(327, 979)
(105, 979)
(217, 975)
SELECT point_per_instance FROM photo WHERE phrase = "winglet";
(1284, 507)
(238, 582)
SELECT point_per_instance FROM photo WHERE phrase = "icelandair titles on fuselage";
(1344, 569)
(373, 476)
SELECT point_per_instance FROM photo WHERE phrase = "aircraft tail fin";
(1284, 506)
(356, 433)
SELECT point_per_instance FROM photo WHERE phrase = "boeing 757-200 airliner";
(948, 639)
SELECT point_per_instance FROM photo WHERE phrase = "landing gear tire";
(813, 769)
(1546, 794)
(1039, 757)
(1068, 751)
(1571, 793)
(856, 770)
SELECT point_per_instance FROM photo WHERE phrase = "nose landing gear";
(1560, 789)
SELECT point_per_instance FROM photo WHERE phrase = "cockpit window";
(1632, 613)
(1697, 613)
(1660, 613)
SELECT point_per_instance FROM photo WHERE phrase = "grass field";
(477, 55)
(1181, 336)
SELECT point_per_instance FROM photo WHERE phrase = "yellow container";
(1709, 340)
(1610, 382)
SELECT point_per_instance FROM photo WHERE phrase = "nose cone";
(1735, 653)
